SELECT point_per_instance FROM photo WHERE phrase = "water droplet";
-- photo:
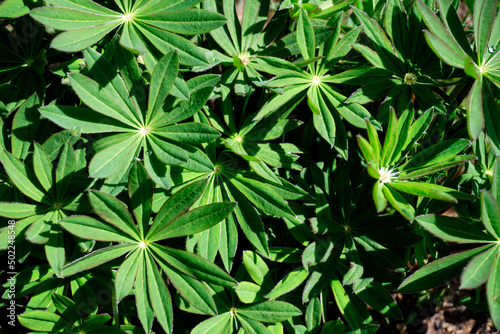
(149, 152)
(410, 78)
(491, 49)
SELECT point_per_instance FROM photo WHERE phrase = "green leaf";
(66, 167)
(305, 35)
(440, 33)
(165, 41)
(380, 41)
(453, 229)
(344, 303)
(67, 308)
(72, 41)
(60, 18)
(143, 302)
(17, 210)
(475, 112)
(97, 98)
(439, 271)
(42, 321)
(444, 51)
(256, 268)
(313, 315)
(114, 212)
(24, 178)
(54, 248)
(13, 9)
(424, 189)
(252, 326)
(176, 205)
(297, 92)
(484, 20)
(262, 196)
(493, 292)
(43, 169)
(162, 80)
(192, 133)
(126, 274)
(194, 291)
(109, 161)
(437, 153)
(291, 281)
(92, 229)
(195, 221)
(24, 127)
(249, 220)
(166, 152)
(212, 325)
(398, 202)
(140, 192)
(159, 296)
(269, 311)
(249, 292)
(193, 265)
(478, 270)
(490, 213)
(184, 22)
(255, 15)
(96, 258)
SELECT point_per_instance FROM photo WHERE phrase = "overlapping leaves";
(141, 242)
(144, 25)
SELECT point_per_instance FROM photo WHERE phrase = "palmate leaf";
(85, 23)
(150, 130)
(137, 240)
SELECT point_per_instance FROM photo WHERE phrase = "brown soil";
(440, 313)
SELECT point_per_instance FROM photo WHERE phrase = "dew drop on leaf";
(149, 152)
(491, 49)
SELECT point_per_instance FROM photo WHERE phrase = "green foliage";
(246, 166)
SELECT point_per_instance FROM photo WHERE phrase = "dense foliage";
(245, 166)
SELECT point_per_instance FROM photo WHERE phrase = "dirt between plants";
(439, 314)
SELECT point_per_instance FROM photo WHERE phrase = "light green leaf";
(92, 229)
(291, 281)
(109, 161)
(126, 274)
(269, 311)
(176, 205)
(195, 221)
(96, 258)
(305, 35)
(212, 325)
(453, 229)
(42, 321)
(192, 133)
(249, 292)
(80, 39)
(159, 295)
(478, 270)
(114, 212)
(185, 22)
(493, 292)
(193, 265)
(162, 80)
(60, 18)
(490, 213)
(24, 178)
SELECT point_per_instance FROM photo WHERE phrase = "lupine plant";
(243, 166)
